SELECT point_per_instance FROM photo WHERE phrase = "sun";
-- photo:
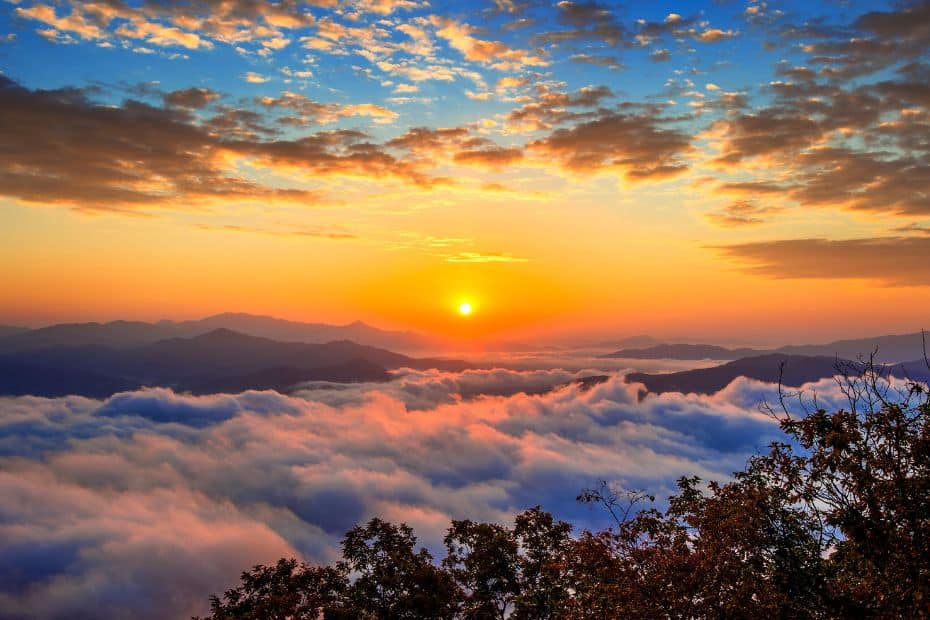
(465, 308)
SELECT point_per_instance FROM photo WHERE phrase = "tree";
(544, 544)
(394, 581)
(864, 473)
(289, 590)
(483, 560)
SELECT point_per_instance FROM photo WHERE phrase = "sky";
(756, 171)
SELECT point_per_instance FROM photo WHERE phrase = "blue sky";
(40, 51)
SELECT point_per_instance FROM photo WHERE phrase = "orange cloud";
(498, 55)
(309, 111)
(895, 261)
(495, 157)
(94, 157)
(636, 145)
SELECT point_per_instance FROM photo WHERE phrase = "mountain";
(683, 352)
(292, 331)
(9, 330)
(630, 342)
(17, 379)
(129, 334)
(218, 360)
(640, 341)
(890, 349)
(113, 334)
(798, 369)
(284, 378)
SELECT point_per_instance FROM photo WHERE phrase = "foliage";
(832, 522)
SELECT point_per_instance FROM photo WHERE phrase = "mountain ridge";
(127, 334)
(888, 348)
(792, 370)
(221, 357)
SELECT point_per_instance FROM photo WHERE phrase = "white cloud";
(144, 504)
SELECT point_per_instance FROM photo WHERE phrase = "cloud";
(894, 261)
(255, 78)
(76, 152)
(741, 213)
(871, 43)
(494, 53)
(634, 144)
(830, 142)
(309, 111)
(713, 35)
(494, 158)
(336, 152)
(549, 106)
(158, 34)
(483, 257)
(191, 25)
(192, 98)
(142, 505)
(611, 62)
(586, 21)
(660, 55)
(912, 228)
(75, 22)
(315, 233)
(456, 145)
(386, 7)
(767, 131)
(426, 140)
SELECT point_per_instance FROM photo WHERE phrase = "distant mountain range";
(683, 352)
(126, 334)
(219, 360)
(798, 369)
(630, 342)
(9, 330)
(889, 349)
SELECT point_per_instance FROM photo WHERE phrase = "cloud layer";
(144, 504)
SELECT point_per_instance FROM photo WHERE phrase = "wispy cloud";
(479, 257)
(280, 232)
(896, 261)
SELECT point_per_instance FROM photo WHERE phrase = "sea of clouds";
(144, 504)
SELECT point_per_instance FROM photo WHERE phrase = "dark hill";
(798, 370)
(9, 330)
(888, 349)
(23, 379)
(683, 352)
(219, 360)
(284, 378)
(117, 334)
(129, 334)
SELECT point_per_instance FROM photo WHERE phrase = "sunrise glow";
(591, 170)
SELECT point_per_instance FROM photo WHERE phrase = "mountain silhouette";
(793, 370)
(9, 330)
(219, 360)
(683, 352)
(128, 334)
(888, 349)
